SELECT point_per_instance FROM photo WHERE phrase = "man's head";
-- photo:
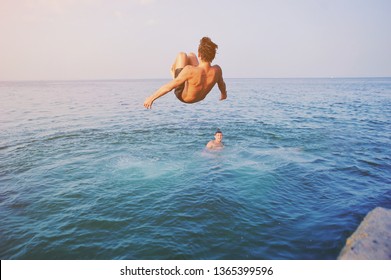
(218, 135)
(207, 49)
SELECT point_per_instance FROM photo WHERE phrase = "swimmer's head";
(218, 135)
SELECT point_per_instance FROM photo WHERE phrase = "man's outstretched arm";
(165, 89)
(159, 93)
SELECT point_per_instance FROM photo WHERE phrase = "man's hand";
(223, 95)
(148, 102)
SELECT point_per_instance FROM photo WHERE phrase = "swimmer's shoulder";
(210, 144)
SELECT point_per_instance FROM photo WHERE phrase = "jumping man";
(193, 80)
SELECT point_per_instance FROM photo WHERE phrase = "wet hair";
(218, 131)
(207, 49)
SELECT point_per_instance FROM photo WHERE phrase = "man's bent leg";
(181, 61)
(179, 89)
(192, 59)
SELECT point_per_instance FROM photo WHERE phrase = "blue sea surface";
(86, 172)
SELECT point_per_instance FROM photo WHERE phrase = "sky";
(139, 39)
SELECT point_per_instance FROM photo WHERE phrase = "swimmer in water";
(216, 144)
(193, 80)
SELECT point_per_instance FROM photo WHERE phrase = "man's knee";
(192, 59)
(181, 55)
(181, 60)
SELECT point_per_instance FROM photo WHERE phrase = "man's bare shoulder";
(189, 70)
(217, 67)
(210, 144)
(186, 73)
(217, 70)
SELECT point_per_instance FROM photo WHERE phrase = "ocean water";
(86, 172)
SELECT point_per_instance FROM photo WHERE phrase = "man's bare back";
(200, 80)
(193, 80)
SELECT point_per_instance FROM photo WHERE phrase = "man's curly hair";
(207, 49)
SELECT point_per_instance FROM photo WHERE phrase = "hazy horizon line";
(225, 78)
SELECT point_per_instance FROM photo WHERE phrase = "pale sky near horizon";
(125, 39)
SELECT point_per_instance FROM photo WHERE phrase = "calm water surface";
(86, 172)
